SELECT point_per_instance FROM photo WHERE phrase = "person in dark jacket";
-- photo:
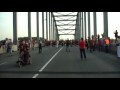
(40, 47)
(116, 35)
(67, 45)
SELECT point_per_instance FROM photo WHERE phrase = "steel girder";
(61, 20)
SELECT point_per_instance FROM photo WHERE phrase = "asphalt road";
(57, 63)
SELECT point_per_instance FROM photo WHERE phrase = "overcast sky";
(6, 24)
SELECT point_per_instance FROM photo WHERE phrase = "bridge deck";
(57, 63)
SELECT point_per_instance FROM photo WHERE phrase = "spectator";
(6, 45)
(116, 35)
(107, 42)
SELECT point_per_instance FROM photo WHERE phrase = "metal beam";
(95, 23)
(46, 26)
(38, 27)
(62, 32)
(66, 34)
(66, 29)
(49, 27)
(65, 20)
(89, 34)
(85, 23)
(70, 32)
(15, 27)
(67, 25)
(78, 28)
(105, 19)
(80, 23)
(82, 26)
(64, 15)
(43, 24)
(56, 26)
(29, 26)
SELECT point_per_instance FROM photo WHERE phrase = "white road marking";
(35, 76)
(3, 63)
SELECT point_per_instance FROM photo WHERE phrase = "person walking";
(100, 45)
(10, 47)
(57, 44)
(82, 48)
(6, 45)
(116, 35)
(67, 45)
(40, 47)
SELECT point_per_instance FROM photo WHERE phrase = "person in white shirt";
(57, 43)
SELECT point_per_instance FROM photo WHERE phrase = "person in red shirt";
(82, 48)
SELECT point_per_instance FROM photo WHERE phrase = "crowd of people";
(97, 43)
(6, 45)
(91, 44)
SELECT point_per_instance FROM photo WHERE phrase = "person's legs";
(11, 51)
(95, 47)
(39, 49)
(91, 49)
(33, 47)
(66, 48)
(69, 48)
(102, 47)
(99, 48)
(3, 48)
(28, 58)
(87, 46)
(81, 53)
(116, 39)
(107, 48)
(84, 53)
